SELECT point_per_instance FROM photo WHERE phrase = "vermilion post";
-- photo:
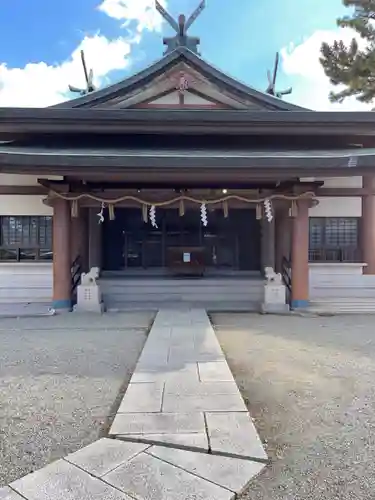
(300, 256)
(368, 224)
(61, 256)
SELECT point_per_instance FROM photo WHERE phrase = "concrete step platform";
(343, 305)
(216, 294)
(113, 305)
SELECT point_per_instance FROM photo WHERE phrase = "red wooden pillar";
(300, 256)
(79, 236)
(61, 256)
(76, 241)
(368, 224)
(282, 236)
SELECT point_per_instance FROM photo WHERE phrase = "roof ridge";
(272, 102)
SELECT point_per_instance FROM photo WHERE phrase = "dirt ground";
(60, 381)
(310, 387)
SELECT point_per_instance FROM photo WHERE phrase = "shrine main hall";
(180, 173)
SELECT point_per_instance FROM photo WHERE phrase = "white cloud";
(143, 11)
(311, 87)
(40, 85)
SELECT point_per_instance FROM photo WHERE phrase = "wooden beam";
(23, 190)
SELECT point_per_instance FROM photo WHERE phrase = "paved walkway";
(181, 431)
(29, 309)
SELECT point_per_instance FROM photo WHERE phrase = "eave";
(18, 122)
(147, 163)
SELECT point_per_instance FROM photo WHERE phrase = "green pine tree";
(350, 66)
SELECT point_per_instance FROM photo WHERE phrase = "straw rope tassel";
(182, 208)
(74, 209)
(144, 213)
(111, 211)
(294, 209)
(225, 209)
(258, 211)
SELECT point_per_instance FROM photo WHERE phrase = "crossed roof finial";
(181, 27)
(271, 89)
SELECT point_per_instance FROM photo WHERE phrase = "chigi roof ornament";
(271, 89)
(181, 27)
(89, 77)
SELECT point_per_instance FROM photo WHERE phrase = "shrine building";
(181, 174)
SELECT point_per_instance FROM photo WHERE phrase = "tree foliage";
(353, 66)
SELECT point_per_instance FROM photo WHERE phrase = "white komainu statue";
(89, 279)
(274, 293)
(89, 297)
(272, 278)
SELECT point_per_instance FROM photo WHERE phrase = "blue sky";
(241, 40)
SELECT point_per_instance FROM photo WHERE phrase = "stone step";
(345, 300)
(211, 306)
(343, 305)
(210, 293)
(164, 296)
(349, 292)
(26, 299)
(181, 284)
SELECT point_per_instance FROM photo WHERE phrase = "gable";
(181, 79)
(176, 99)
(180, 86)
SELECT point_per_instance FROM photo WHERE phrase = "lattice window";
(334, 239)
(25, 238)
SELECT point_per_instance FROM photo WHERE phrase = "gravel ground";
(60, 381)
(310, 386)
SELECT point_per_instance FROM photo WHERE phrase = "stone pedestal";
(274, 300)
(89, 297)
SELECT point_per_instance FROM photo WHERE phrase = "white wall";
(11, 204)
(341, 182)
(337, 182)
(24, 180)
(23, 204)
(337, 207)
(172, 98)
(196, 99)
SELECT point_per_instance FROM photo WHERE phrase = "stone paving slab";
(203, 403)
(183, 354)
(182, 373)
(230, 473)
(197, 441)
(189, 388)
(104, 455)
(215, 371)
(148, 478)
(7, 494)
(142, 398)
(234, 433)
(156, 358)
(158, 423)
(64, 481)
